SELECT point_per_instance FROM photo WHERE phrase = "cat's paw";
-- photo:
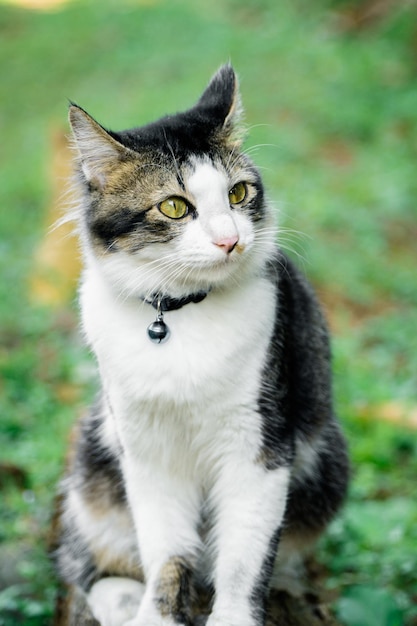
(115, 601)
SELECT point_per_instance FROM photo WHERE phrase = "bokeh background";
(330, 91)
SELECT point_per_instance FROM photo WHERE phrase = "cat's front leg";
(167, 599)
(250, 503)
(165, 511)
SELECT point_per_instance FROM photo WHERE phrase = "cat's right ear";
(221, 100)
(98, 151)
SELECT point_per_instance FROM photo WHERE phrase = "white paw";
(151, 620)
(115, 600)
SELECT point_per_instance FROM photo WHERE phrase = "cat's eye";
(237, 193)
(174, 207)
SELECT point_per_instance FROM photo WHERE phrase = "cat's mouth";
(219, 269)
(223, 261)
(178, 274)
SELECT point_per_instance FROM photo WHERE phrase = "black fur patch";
(295, 395)
(313, 502)
(113, 225)
(109, 227)
(182, 134)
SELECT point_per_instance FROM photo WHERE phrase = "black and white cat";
(212, 455)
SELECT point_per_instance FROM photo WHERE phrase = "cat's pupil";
(237, 193)
(174, 207)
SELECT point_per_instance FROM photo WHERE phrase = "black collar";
(165, 303)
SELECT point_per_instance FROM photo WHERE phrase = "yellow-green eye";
(174, 207)
(237, 193)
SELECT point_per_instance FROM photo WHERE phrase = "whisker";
(256, 147)
(144, 272)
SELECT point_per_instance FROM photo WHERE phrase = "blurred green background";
(330, 92)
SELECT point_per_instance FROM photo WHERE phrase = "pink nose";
(227, 243)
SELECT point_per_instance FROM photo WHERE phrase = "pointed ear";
(221, 100)
(99, 152)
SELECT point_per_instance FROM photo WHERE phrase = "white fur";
(186, 411)
(210, 189)
(252, 507)
(115, 600)
(110, 535)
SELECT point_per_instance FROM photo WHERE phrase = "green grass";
(332, 116)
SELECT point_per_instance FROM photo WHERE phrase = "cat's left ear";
(221, 100)
(99, 152)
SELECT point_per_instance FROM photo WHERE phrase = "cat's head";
(175, 206)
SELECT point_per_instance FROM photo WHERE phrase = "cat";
(211, 457)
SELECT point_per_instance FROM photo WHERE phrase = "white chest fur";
(205, 376)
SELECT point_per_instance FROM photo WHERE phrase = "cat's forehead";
(205, 170)
(180, 134)
(204, 178)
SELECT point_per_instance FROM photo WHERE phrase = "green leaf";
(367, 606)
